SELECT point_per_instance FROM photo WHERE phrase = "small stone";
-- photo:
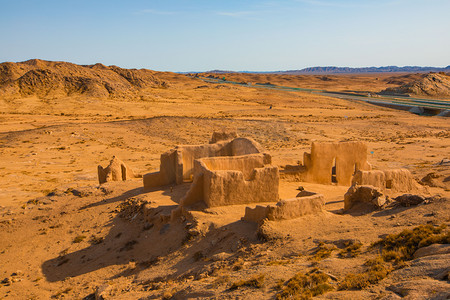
(17, 273)
(409, 199)
(7, 281)
(102, 292)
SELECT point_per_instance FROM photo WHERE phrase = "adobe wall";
(177, 165)
(286, 209)
(388, 181)
(117, 170)
(345, 156)
(246, 164)
(168, 171)
(223, 181)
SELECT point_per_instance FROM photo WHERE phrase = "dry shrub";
(408, 241)
(323, 251)
(79, 239)
(224, 279)
(255, 281)
(278, 262)
(303, 286)
(377, 269)
(95, 240)
(198, 256)
(352, 249)
(396, 249)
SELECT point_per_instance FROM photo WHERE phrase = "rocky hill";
(347, 70)
(432, 84)
(47, 79)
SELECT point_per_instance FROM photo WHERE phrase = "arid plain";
(62, 235)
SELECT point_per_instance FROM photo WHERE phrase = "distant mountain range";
(347, 70)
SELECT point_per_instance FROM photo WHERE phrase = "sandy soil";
(63, 236)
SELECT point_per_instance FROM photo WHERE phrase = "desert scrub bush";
(95, 240)
(256, 281)
(377, 269)
(408, 241)
(79, 239)
(278, 262)
(395, 250)
(323, 251)
(302, 286)
(352, 249)
(221, 280)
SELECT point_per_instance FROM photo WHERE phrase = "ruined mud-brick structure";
(285, 209)
(387, 181)
(229, 180)
(177, 165)
(224, 172)
(117, 170)
(335, 162)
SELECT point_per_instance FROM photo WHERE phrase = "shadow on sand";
(142, 240)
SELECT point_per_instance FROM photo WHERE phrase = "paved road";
(416, 105)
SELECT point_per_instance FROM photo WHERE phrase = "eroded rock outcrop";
(364, 194)
(432, 84)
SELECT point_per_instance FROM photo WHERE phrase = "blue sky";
(200, 35)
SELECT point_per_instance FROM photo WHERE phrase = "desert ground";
(62, 235)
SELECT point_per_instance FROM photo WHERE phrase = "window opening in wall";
(333, 172)
(389, 184)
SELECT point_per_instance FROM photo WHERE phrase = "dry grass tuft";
(255, 281)
(323, 251)
(303, 286)
(396, 249)
(408, 241)
(376, 271)
(79, 239)
(352, 249)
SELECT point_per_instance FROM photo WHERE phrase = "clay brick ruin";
(232, 170)
(376, 186)
(220, 181)
(117, 170)
(335, 162)
(388, 181)
(177, 165)
(285, 209)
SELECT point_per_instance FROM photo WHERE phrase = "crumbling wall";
(223, 135)
(243, 179)
(168, 171)
(177, 165)
(388, 181)
(366, 194)
(335, 162)
(117, 170)
(286, 209)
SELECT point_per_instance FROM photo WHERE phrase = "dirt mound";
(47, 79)
(432, 84)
